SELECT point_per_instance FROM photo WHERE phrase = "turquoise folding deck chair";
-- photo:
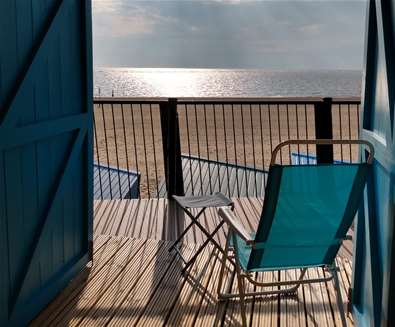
(306, 214)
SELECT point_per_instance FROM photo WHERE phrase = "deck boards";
(158, 219)
(135, 281)
(138, 283)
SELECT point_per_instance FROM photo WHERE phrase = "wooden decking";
(158, 219)
(135, 281)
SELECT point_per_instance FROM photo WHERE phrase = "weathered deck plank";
(135, 281)
(141, 285)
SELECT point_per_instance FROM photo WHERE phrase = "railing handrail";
(225, 100)
(129, 100)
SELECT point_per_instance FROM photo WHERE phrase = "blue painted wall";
(115, 183)
(373, 292)
(45, 151)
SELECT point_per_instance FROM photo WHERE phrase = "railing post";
(171, 148)
(323, 129)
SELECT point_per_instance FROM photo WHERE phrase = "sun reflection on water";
(179, 82)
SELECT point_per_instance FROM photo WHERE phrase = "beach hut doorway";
(45, 152)
(373, 286)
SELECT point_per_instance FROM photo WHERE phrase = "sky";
(277, 35)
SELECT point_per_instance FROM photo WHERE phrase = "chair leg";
(335, 270)
(223, 265)
(240, 285)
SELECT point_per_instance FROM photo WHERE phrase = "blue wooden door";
(45, 151)
(373, 292)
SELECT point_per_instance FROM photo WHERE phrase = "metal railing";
(200, 146)
(127, 135)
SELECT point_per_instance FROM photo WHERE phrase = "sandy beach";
(130, 136)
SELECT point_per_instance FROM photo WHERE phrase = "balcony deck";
(135, 281)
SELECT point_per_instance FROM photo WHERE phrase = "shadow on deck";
(134, 280)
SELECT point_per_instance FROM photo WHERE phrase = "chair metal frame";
(291, 286)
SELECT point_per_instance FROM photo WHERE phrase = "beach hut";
(211, 176)
(373, 286)
(45, 152)
(115, 183)
(46, 164)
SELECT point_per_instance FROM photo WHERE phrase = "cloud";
(311, 29)
(230, 2)
(104, 6)
(229, 33)
(121, 19)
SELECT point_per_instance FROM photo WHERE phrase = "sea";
(182, 82)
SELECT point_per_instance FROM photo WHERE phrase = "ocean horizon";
(207, 82)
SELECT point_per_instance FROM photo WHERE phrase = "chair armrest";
(230, 218)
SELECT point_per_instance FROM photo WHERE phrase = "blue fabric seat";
(307, 213)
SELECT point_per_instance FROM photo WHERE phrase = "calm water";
(152, 82)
